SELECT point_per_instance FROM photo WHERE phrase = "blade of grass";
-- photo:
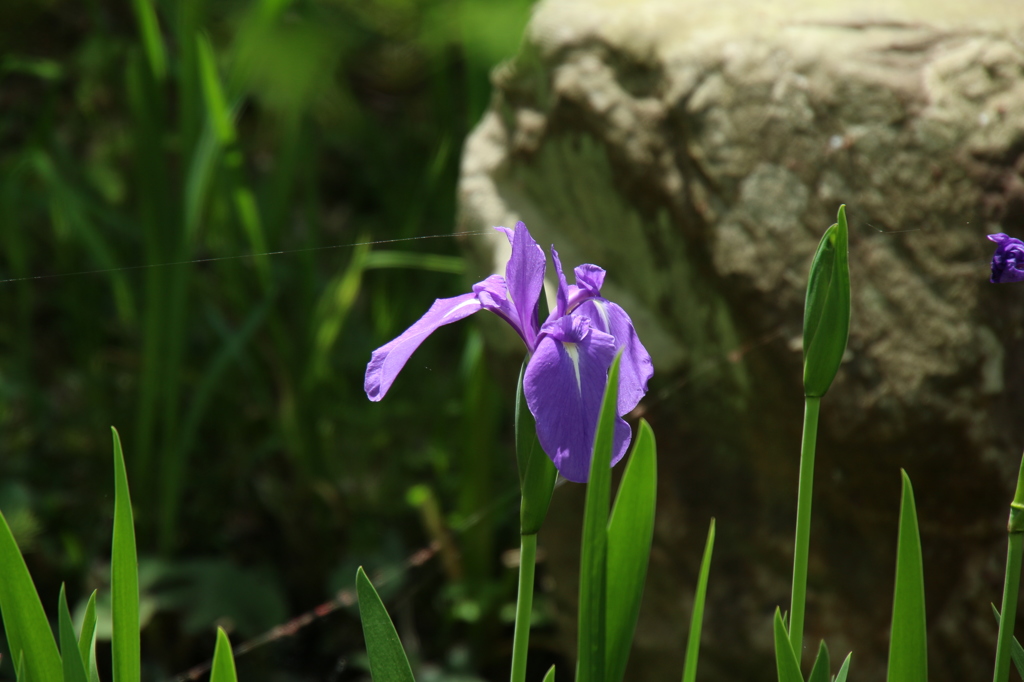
(1011, 581)
(1016, 650)
(124, 578)
(29, 638)
(844, 669)
(822, 666)
(149, 31)
(388, 662)
(590, 665)
(74, 667)
(908, 646)
(550, 677)
(697, 618)
(786, 665)
(630, 532)
(87, 639)
(223, 669)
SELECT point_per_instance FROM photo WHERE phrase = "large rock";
(697, 149)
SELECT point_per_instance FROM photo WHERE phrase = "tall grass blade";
(908, 646)
(87, 639)
(74, 667)
(697, 617)
(29, 638)
(630, 532)
(822, 665)
(149, 30)
(1016, 650)
(844, 669)
(124, 578)
(388, 662)
(223, 669)
(590, 665)
(786, 665)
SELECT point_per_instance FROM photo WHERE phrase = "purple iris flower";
(570, 352)
(1008, 260)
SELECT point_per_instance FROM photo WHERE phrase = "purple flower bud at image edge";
(1008, 260)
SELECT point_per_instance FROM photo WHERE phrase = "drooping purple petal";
(635, 368)
(524, 277)
(388, 360)
(1008, 260)
(564, 384)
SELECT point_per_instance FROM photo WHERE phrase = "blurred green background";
(135, 135)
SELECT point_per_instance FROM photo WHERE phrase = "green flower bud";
(827, 309)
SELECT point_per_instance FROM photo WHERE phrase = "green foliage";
(550, 676)
(697, 617)
(1016, 650)
(786, 663)
(73, 663)
(124, 578)
(29, 638)
(591, 652)
(221, 132)
(537, 472)
(28, 631)
(908, 646)
(223, 669)
(630, 533)
(821, 668)
(388, 662)
(827, 309)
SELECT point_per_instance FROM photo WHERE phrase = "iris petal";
(388, 360)
(636, 368)
(524, 276)
(564, 385)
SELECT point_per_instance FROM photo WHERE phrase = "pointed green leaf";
(908, 646)
(844, 669)
(590, 666)
(827, 309)
(74, 668)
(630, 532)
(1016, 650)
(21, 674)
(388, 662)
(217, 110)
(124, 578)
(149, 30)
(537, 472)
(223, 669)
(87, 639)
(785, 660)
(550, 677)
(29, 637)
(821, 669)
(697, 617)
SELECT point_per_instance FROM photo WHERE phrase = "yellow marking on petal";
(574, 355)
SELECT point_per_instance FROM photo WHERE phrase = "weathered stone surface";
(697, 150)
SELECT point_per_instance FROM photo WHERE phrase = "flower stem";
(1011, 583)
(803, 525)
(524, 606)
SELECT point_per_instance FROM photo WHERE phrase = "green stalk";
(524, 606)
(803, 525)
(1011, 583)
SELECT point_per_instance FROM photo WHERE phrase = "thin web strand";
(244, 255)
